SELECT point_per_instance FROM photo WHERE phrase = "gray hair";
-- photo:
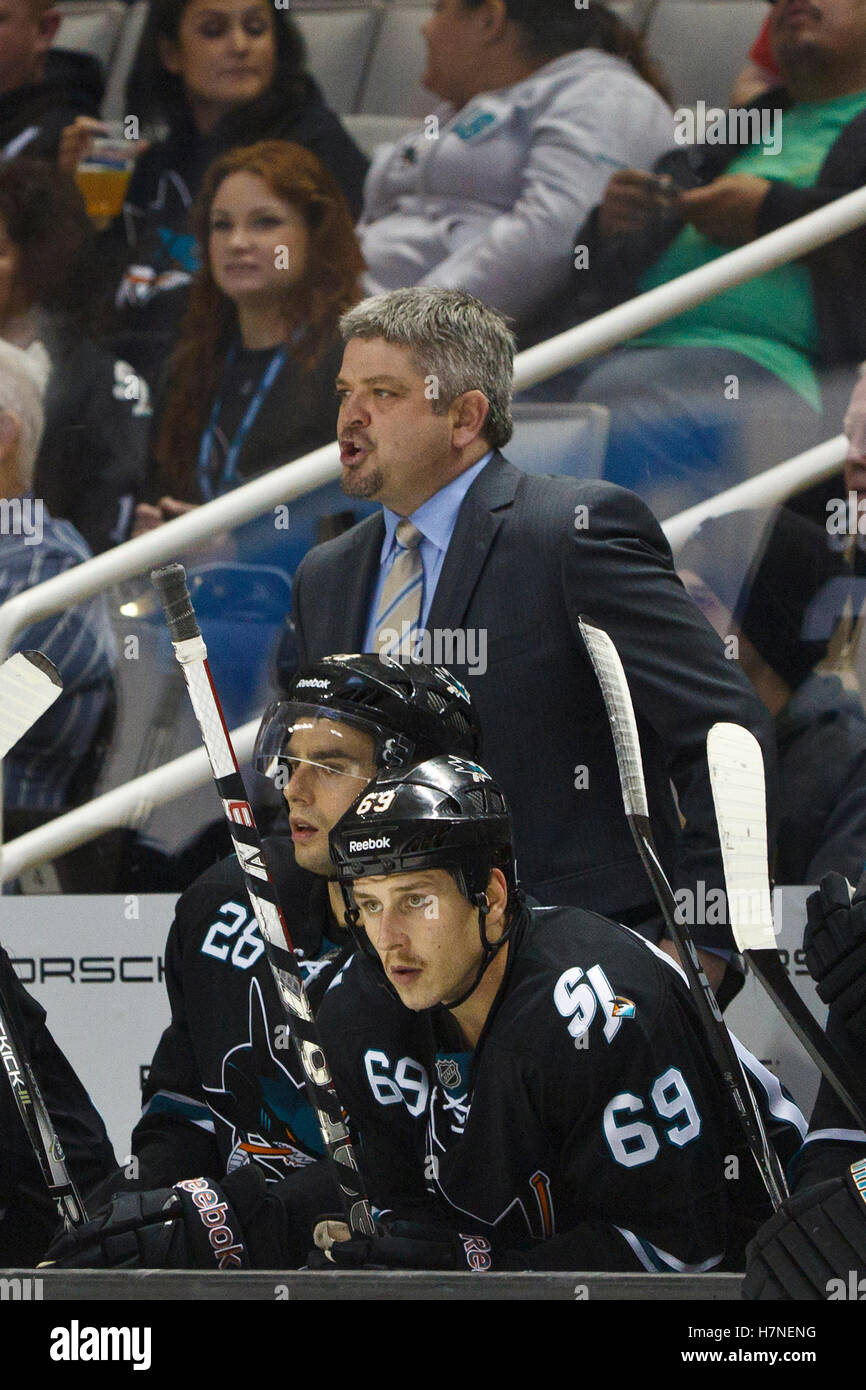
(23, 378)
(454, 338)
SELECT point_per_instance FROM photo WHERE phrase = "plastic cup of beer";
(103, 174)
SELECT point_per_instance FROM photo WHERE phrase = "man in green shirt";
(734, 385)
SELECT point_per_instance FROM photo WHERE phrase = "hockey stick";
(191, 652)
(29, 685)
(737, 778)
(620, 712)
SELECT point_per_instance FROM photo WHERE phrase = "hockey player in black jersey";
(224, 1096)
(545, 1099)
(27, 1213)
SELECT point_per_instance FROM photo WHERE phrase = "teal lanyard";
(227, 479)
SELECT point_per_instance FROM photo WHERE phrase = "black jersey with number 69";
(588, 1129)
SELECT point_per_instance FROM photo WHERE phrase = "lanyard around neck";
(229, 471)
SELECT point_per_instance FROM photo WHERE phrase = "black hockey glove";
(197, 1224)
(398, 1245)
(814, 1247)
(835, 944)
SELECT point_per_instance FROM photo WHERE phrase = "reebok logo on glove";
(228, 1251)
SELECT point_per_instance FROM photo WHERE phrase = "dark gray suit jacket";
(528, 555)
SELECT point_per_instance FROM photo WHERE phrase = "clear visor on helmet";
(334, 743)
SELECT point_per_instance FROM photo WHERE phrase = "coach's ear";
(468, 414)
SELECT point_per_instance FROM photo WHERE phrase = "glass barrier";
(784, 590)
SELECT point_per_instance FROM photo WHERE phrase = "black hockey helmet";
(447, 813)
(412, 709)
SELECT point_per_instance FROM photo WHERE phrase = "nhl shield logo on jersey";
(448, 1072)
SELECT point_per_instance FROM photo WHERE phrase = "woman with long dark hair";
(214, 74)
(251, 381)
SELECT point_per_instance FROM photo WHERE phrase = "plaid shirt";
(80, 642)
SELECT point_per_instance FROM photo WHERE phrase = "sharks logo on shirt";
(265, 1107)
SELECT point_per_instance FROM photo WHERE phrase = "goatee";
(364, 486)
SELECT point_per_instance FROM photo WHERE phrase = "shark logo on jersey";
(622, 1007)
(262, 1103)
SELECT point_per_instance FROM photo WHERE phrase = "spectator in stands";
(219, 74)
(92, 459)
(768, 586)
(41, 89)
(543, 100)
(751, 355)
(251, 381)
(39, 772)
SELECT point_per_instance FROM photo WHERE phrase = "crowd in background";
(192, 341)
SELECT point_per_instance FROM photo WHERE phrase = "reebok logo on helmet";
(357, 846)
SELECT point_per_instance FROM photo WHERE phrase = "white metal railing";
(166, 542)
(666, 301)
(294, 479)
(124, 805)
(762, 490)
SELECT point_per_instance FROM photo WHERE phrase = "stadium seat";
(91, 26)
(568, 439)
(630, 12)
(339, 39)
(701, 45)
(393, 82)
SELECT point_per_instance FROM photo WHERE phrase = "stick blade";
(620, 712)
(737, 779)
(29, 685)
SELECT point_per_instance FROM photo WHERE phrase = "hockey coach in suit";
(473, 564)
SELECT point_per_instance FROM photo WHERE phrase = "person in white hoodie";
(544, 101)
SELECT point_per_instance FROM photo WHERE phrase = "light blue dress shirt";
(435, 519)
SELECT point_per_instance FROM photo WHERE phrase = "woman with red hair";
(250, 384)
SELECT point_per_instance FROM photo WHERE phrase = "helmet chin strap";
(488, 950)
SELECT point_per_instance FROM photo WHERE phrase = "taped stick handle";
(171, 586)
